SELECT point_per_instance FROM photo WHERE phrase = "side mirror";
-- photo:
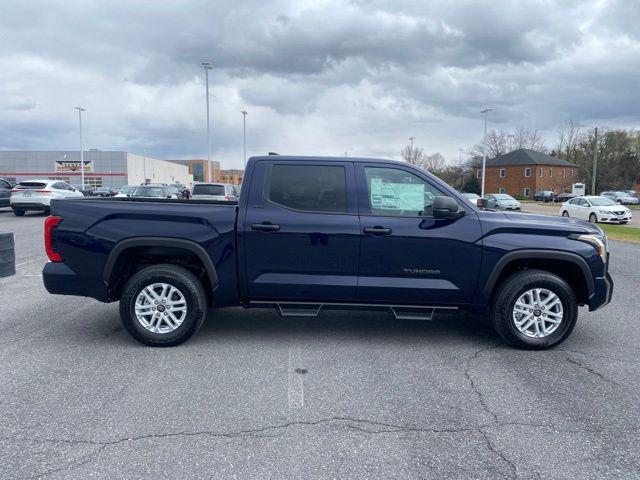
(446, 208)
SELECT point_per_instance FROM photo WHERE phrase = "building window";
(527, 172)
(479, 173)
(503, 173)
(526, 192)
(550, 172)
(541, 171)
(502, 190)
(95, 182)
(564, 173)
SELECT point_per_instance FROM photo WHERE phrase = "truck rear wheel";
(534, 310)
(163, 305)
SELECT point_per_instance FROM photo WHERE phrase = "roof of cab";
(326, 159)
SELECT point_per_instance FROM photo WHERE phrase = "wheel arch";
(570, 266)
(122, 248)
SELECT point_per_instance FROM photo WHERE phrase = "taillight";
(50, 224)
(227, 198)
(46, 192)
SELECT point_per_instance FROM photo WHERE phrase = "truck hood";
(547, 222)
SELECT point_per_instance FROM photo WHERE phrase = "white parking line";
(295, 385)
(30, 261)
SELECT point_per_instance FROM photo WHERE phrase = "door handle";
(377, 231)
(265, 227)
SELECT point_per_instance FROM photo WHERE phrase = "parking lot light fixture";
(485, 112)
(80, 110)
(207, 66)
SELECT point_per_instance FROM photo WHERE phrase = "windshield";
(601, 202)
(209, 190)
(127, 189)
(503, 196)
(155, 192)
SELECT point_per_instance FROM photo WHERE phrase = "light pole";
(80, 110)
(207, 66)
(244, 136)
(411, 143)
(484, 149)
(595, 162)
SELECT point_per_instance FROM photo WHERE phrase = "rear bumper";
(59, 279)
(602, 293)
(32, 204)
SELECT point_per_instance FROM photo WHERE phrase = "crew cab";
(313, 233)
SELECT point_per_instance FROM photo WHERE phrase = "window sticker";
(397, 196)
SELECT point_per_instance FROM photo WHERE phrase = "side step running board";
(311, 310)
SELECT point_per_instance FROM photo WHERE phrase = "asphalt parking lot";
(347, 395)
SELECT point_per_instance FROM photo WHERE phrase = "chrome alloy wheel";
(160, 308)
(537, 313)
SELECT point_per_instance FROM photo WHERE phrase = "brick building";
(233, 176)
(523, 172)
(201, 168)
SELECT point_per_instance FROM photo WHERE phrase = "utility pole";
(411, 142)
(595, 162)
(144, 166)
(484, 149)
(207, 66)
(80, 110)
(244, 136)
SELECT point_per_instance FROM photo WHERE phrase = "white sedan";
(37, 195)
(596, 209)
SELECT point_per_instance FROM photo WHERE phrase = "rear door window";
(309, 188)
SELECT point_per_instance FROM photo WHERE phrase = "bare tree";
(569, 134)
(524, 137)
(497, 144)
(413, 155)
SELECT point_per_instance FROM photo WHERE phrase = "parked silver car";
(215, 191)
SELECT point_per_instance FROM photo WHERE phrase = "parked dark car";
(544, 196)
(563, 197)
(105, 192)
(313, 233)
(5, 192)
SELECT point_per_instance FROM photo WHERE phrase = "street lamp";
(484, 148)
(80, 110)
(207, 66)
(244, 136)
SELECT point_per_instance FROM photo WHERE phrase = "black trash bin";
(7, 255)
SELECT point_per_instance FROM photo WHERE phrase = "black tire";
(510, 289)
(593, 218)
(565, 214)
(18, 212)
(186, 283)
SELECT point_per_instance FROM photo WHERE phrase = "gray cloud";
(357, 76)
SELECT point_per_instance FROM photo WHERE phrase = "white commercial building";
(101, 168)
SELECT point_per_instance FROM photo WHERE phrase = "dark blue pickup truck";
(310, 233)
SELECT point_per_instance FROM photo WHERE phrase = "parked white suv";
(596, 209)
(37, 195)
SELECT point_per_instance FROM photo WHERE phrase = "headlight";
(606, 212)
(599, 242)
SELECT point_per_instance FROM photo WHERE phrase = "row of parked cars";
(621, 197)
(36, 194)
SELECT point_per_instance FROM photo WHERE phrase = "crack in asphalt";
(589, 369)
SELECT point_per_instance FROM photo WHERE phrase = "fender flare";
(193, 247)
(539, 254)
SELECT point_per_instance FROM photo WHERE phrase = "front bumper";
(602, 293)
(615, 218)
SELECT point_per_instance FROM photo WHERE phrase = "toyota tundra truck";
(314, 233)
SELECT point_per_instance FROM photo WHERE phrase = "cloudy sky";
(317, 77)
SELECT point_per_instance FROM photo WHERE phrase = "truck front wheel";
(163, 305)
(534, 310)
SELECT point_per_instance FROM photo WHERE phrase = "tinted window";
(31, 185)
(311, 188)
(393, 191)
(156, 192)
(209, 190)
(4, 184)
